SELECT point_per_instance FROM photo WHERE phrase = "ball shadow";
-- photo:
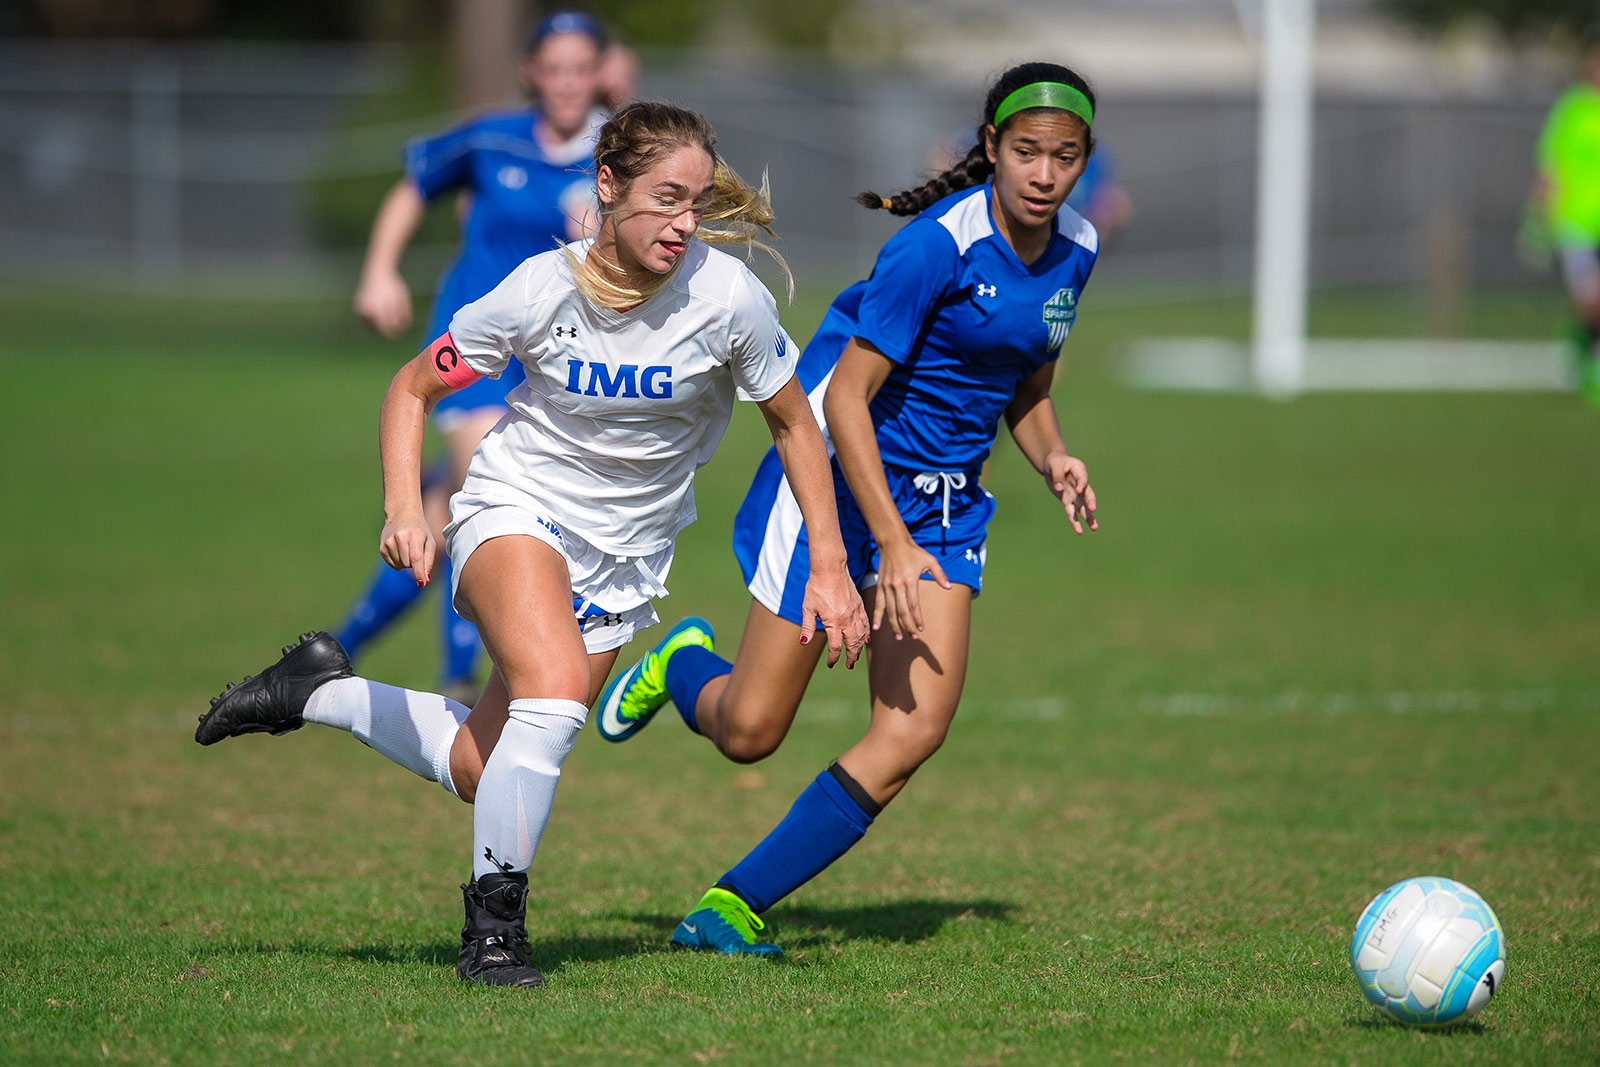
(1378, 1022)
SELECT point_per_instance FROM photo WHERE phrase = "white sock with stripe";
(414, 729)
(518, 788)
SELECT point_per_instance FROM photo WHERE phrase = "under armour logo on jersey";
(652, 383)
(988, 290)
(565, 331)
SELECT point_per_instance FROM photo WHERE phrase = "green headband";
(1046, 94)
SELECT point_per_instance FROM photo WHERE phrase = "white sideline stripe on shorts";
(779, 542)
(778, 547)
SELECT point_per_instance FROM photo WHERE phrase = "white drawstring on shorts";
(929, 481)
(651, 582)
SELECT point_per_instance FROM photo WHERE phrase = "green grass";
(1318, 646)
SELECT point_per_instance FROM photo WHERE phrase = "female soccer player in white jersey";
(523, 176)
(634, 346)
(911, 371)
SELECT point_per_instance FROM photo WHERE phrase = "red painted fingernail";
(804, 640)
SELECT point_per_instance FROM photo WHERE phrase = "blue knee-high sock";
(458, 638)
(388, 594)
(688, 671)
(828, 818)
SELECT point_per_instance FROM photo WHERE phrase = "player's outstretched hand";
(1068, 480)
(900, 569)
(407, 542)
(832, 597)
(384, 303)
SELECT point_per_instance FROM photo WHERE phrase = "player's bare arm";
(406, 540)
(829, 595)
(861, 372)
(383, 300)
(1036, 429)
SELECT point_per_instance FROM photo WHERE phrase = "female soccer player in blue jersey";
(525, 177)
(910, 373)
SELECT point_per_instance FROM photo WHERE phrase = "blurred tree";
(318, 20)
(486, 37)
(785, 23)
(643, 23)
(1512, 16)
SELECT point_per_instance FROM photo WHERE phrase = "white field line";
(1194, 704)
(1289, 702)
(1206, 364)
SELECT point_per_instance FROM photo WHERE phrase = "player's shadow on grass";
(904, 920)
(795, 927)
(549, 954)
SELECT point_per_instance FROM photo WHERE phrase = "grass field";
(1317, 647)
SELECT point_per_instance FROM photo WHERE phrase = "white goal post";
(1283, 195)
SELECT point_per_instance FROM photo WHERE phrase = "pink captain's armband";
(453, 370)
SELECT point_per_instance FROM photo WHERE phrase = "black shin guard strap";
(854, 788)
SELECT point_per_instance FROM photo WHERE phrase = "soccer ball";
(1429, 952)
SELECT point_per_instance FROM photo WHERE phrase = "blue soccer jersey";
(521, 198)
(963, 320)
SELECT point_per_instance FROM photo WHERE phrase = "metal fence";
(135, 163)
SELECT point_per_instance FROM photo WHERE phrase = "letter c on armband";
(453, 371)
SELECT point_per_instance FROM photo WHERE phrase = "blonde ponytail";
(740, 213)
(633, 140)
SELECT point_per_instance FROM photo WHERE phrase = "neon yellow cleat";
(723, 922)
(632, 699)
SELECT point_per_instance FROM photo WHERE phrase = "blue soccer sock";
(458, 638)
(388, 594)
(688, 671)
(827, 818)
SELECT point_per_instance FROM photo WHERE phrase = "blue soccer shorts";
(947, 514)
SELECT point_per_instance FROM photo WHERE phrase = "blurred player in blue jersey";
(910, 373)
(1101, 198)
(524, 179)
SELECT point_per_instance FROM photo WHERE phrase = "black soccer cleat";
(272, 702)
(494, 940)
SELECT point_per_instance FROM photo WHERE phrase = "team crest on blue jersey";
(512, 177)
(1060, 312)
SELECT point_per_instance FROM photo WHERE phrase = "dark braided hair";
(976, 168)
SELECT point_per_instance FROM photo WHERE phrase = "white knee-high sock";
(518, 787)
(414, 729)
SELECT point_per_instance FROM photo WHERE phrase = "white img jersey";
(619, 408)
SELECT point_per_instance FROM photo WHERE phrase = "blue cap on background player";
(568, 22)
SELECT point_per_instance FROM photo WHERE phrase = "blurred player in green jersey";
(1566, 193)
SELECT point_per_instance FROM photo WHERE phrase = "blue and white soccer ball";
(1429, 952)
